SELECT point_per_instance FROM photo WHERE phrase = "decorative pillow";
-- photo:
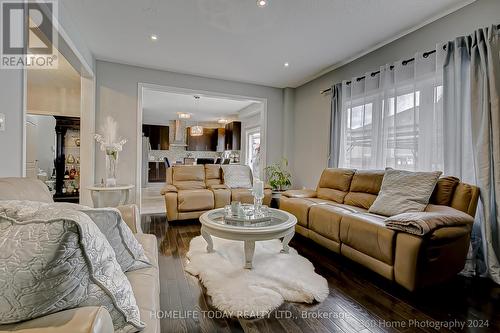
(52, 259)
(129, 253)
(404, 191)
(237, 176)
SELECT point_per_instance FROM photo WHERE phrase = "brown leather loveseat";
(191, 190)
(335, 215)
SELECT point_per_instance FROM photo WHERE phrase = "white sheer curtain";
(394, 118)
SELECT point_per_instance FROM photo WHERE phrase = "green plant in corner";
(278, 175)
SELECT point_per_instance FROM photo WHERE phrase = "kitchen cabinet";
(233, 136)
(158, 136)
(157, 172)
(205, 142)
(221, 139)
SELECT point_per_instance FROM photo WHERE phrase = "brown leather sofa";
(335, 215)
(191, 190)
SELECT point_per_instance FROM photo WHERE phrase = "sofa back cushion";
(364, 189)
(443, 192)
(213, 174)
(188, 177)
(17, 188)
(334, 184)
(465, 198)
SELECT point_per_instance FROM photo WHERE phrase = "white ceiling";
(236, 40)
(159, 107)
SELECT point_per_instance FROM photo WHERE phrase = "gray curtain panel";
(472, 97)
(335, 126)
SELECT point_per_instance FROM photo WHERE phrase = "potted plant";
(278, 175)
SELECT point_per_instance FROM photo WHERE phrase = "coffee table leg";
(286, 240)
(208, 239)
(249, 250)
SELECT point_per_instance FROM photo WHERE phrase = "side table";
(111, 196)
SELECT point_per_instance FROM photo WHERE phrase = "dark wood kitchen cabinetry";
(233, 136)
(157, 172)
(221, 139)
(158, 136)
(205, 142)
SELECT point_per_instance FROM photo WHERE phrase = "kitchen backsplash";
(178, 154)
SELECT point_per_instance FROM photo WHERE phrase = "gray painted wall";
(311, 113)
(117, 88)
(11, 140)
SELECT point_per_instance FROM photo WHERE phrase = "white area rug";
(276, 277)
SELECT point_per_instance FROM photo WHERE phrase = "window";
(400, 127)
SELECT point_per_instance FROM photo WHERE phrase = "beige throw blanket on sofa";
(421, 223)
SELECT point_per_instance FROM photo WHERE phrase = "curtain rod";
(404, 63)
(372, 74)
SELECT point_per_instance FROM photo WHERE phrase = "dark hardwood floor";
(359, 300)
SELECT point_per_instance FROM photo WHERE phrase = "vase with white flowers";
(111, 145)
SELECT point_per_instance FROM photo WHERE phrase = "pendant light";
(196, 130)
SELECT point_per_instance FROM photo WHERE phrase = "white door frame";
(171, 89)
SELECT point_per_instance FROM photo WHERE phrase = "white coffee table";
(282, 225)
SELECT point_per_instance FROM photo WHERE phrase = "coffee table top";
(280, 220)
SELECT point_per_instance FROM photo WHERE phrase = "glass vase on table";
(258, 196)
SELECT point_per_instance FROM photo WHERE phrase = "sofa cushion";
(404, 191)
(195, 200)
(237, 176)
(334, 184)
(325, 219)
(189, 177)
(443, 192)
(365, 186)
(367, 234)
(242, 195)
(213, 174)
(299, 207)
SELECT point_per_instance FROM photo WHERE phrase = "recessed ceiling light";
(154, 37)
(286, 64)
(262, 3)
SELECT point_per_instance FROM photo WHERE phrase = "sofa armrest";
(450, 233)
(300, 193)
(167, 189)
(425, 260)
(130, 214)
(89, 319)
